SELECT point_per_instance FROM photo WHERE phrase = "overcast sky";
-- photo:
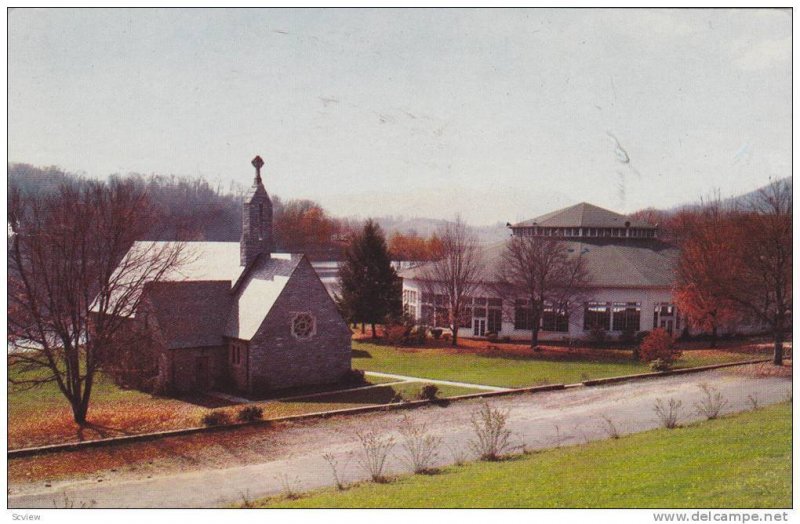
(495, 114)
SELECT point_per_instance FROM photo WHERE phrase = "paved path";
(541, 420)
(434, 381)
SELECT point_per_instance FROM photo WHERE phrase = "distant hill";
(425, 227)
(743, 200)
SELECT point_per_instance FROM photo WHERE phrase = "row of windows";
(592, 232)
(552, 319)
(409, 296)
(611, 316)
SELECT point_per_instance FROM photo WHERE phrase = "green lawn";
(741, 461)
(513, 370)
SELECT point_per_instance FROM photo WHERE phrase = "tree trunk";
(455, 336)
(534, 336)
(374, 334)
(535, 320)
(778, 334)
(714, 336)
(79, 412)
(363, 328)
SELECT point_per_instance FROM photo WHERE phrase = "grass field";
(741, 461)
(517, 366)
(42, 416)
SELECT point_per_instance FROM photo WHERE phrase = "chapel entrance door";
(202, 374)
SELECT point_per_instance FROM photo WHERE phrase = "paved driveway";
(542, 420)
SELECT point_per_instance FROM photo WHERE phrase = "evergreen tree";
(370, 288)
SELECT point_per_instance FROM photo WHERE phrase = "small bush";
(491, 435)
(611, 428)
(597, 336)
(291, 486)
(354, 377)
(421, 449)
(419, 335)
(669, 413)
(333, 462)
(627, 338)
(712, 404)
(660, 365)
(436, 333)
(396, 334)
(491, 336)
(458, 453)
(250, 414)
(428, 392)
(216, 418)
(506, 339)
(659, 345)
(753, 400)
(446, 337)
(374, 454)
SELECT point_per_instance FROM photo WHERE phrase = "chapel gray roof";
(610, 264)
(209, 295)
(583, 215)
(257, 293)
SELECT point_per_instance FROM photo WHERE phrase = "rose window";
(303, 325)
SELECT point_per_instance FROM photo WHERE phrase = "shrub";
(491, 336)
(611, 428)
(668, 413)
(291, 486)
(712, 404)
(436, 333)
(506, 339)
(428, 392)
(660, 365)
(216, 418)
(627, 337)
(374, 454)
(491, 435)
(658, 345)
(458, 453)
(446, 337)
(421, 449)
(250, 414)
(420, 335)
(354, 377)
(396, 334)
(333, 462)
(597, 335)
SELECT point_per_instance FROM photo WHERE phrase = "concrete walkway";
(434, 381)
(538, 421)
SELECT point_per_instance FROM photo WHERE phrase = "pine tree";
(369, 285)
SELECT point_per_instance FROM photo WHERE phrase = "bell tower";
(256, 220)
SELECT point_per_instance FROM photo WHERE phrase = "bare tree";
(543, 271)
(743, 257)
(457, 271)
(763, 278)
(71, 288)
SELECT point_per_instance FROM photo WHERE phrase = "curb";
(684, 371)
(76, 446)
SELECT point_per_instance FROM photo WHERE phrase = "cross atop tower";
(258, 163)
